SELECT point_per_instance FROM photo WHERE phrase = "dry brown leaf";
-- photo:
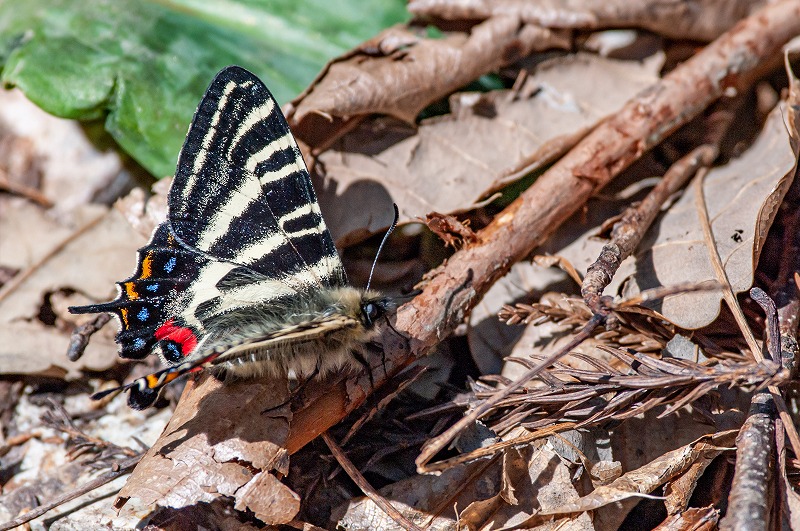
(534, 479)
(449, 163)
(270, 500)
(399, 73)
(483, 494)
(88, 264)
(428, 501)
(695, 19)
(742, 198)
(492, 497)
(646, 479)
(223, 440)
(694, 519)
(679, 491)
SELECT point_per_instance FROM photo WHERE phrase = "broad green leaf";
(143, 65)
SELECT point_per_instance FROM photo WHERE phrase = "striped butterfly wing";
(242, 192)
(244, 227)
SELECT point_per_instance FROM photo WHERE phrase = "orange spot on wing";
(124, 313)
(147, 266)
(130, 289)
(152, 381)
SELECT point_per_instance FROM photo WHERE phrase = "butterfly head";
(374, 307)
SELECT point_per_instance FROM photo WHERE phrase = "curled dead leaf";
(399, 73)
(644, 480)
(697, 19)
(452, 232)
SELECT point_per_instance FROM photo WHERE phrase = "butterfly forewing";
(242, 192)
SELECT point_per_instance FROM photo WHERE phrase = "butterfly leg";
(358, 355)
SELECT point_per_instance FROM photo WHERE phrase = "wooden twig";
(635, 221)
(121, 469)
(32, 194)
(364, 485)
(749, 501)
(771, 313)
(81, 334)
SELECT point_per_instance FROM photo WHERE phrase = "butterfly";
(243, 275)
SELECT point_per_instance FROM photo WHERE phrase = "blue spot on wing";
(143, 314)
(170, 265)
(138, 343)
(172, 353)
(152, 287)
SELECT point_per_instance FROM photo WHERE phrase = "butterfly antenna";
(383, 242)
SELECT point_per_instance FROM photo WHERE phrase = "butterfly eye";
(371, 313)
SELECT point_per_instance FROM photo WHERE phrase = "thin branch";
(32, 194)
(749, 500)
(634, 223)
(364, 485)
(771, 312)
(81, 334)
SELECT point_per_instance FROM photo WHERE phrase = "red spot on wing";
(183, 336)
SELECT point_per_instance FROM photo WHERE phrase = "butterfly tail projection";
(144, 391)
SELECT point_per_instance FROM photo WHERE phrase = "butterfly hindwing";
(243, 227)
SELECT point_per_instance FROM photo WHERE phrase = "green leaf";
(143, 65)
